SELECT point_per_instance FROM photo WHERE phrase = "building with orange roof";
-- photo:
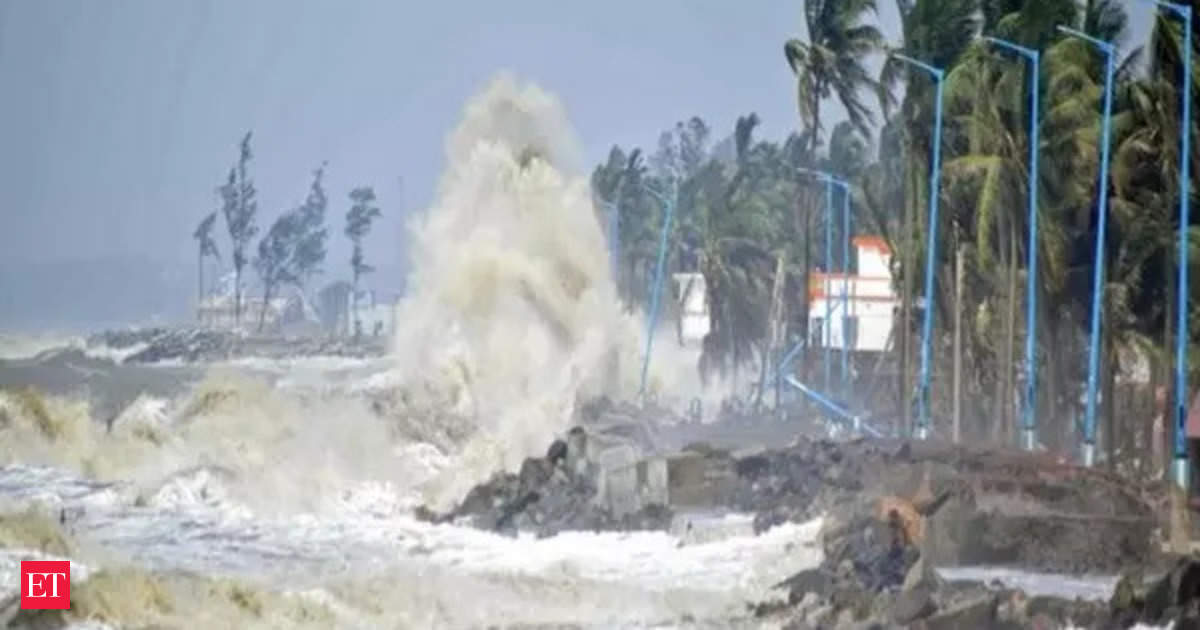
(865, 324)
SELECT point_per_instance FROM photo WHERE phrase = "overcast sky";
(120, 117)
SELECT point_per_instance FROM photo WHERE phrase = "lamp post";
(922, 429)
(1184, 13)
(830, 182)
(1029, 424)
(1089, 427)
(668, 203)
(846, 347)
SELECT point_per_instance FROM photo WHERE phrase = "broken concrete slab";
(697, 480)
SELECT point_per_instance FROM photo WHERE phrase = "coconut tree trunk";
(1051, 412)
(1000, 352)
(262, 312)
(1150, 453)
(958, 306)
(1010, 333)
(200, 286)
(1111, 437)
(906, 306)
(774, 314)
(355, 324)
(237, 297)
(1167, 440)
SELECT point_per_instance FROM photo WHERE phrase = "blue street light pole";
(846, 347)
(1028, 437)
(831, 181)
(827, 329)
(1089, 427)
(668, 203)
(922, 429)
(1184, 13)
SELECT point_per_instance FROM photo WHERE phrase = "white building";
(377, 317)
(865, 324)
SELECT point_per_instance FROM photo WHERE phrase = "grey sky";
(121, 116)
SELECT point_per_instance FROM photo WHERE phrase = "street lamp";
(938, 75)
(831, 181)
(668, 203)
(1030, 411)
(1089, 427)
(1184, 12)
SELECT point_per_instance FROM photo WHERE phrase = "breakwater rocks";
(893, 511)
(984, 508)
(193, 345)
(874, 576)
(561, 491)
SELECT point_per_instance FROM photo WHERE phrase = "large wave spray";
(512, 305)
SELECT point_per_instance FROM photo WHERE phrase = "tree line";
(747, 219)
(293, 249)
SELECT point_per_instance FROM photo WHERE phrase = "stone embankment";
(893, 511)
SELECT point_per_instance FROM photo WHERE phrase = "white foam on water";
(27, 346)
(569, 578)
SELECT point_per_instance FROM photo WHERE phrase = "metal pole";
(1029, 433)
(1089, 428)
(922, 429)
(827, 329)
(846, 347)
(856, 423)
(930, 264)
(1181, 377)
(1029, 424)
(656, 290)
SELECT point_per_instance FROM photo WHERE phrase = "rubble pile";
(551, 494)
(1173, 597)
(1011, 509)
(874, 575)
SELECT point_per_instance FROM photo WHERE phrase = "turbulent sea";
(280, 494)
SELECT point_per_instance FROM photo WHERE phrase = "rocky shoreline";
(893, 511)
(194, 345)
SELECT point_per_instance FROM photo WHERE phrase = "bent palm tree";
(830, 63)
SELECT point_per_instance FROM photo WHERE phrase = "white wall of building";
(863, 320)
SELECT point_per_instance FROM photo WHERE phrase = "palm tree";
(936, 31)
(732, 226)
(621, 181)
(830, 63)
(206, 246)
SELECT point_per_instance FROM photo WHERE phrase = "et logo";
(45, 585)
